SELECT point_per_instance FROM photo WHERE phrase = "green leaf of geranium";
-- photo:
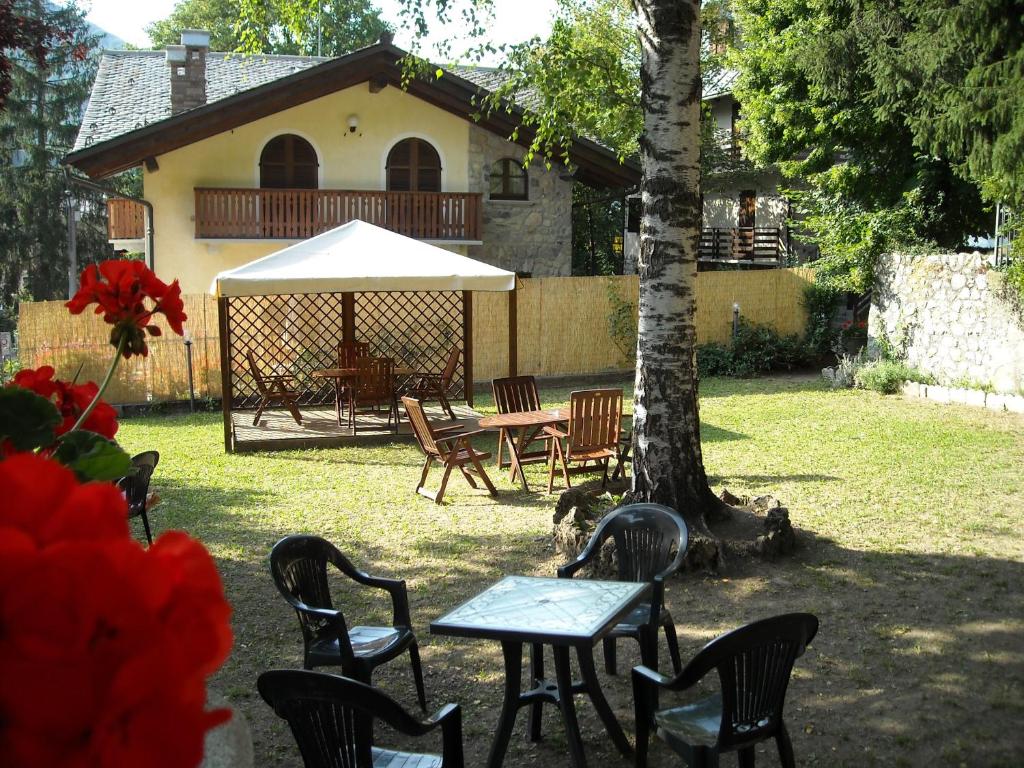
(92, 456)
(27, 420)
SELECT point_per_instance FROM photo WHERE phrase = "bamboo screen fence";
(563, 330)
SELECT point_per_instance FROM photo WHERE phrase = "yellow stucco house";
(243, 155)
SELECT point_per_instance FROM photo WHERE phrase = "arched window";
(288, 162)
(508, 180)
(414, 166)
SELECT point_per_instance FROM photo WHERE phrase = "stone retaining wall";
(944, 314)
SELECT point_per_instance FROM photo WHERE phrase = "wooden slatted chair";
(517, 394)
(592, 434)
(373, 386)
(435, 386)
(332, 720)
(449, 447)
(754, 664)
(274, 389)
(348, 353)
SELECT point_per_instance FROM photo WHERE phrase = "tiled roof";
(133, 88)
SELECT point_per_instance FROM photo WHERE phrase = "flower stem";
(103, 387)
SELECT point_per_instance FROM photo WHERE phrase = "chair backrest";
(650, 540)
(349, 352)
(595, 417)
(373, 377)
(298, 565)
(515, 394)
(754, 664)
(261, 385)
(449, 368)
(331, 717)
(421, 428)
(136, 485)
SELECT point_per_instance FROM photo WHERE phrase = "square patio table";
(562, 613)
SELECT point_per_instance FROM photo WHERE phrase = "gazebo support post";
(226, 394)
(348, 317)
(467, 346)
(513, 333)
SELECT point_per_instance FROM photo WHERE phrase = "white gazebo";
(408, 299)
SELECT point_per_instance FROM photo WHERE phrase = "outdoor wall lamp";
(353, 123)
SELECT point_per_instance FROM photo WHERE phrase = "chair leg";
(145, 524)
(551, 467)
(745, 757)
(673, 647)
(609, 655)
(423, 474)
(501, 440)
(785, 747)
(604, 477)
(259, 411)
(288, 403)
(417, 674)
(643, 725)
(482, 475)
(565, 465)
(445, 404)
(448, 467)
(468, 475)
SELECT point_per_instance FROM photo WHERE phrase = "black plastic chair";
(332, 718)
(650, 544)
(136, 487)
(298, 565)
(754, 663)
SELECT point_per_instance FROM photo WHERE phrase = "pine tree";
(37, 128)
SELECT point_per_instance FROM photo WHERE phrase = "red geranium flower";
(119, 289)
(70, 399)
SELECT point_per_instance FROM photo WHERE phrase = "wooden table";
(521, 424)
(562, 613)
(525, 423)
(340, 375)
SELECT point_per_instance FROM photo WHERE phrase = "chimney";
(188, 70)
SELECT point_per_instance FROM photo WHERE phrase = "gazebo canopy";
(360, 257)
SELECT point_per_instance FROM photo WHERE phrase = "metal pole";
(72, 246)
(188, 364)
(735, 320)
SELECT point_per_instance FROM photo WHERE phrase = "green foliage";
(819, 301)
(755, 350)
(8, 368)
(597, 223)
(27, 420)
(92, 456)
(888, 376)
(622, 322)
(811, 82)
(37, 129)
(329, 27)
(1013, 279)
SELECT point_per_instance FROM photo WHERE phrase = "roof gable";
(242, 89)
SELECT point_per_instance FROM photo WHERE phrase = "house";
(242, 155)
(744, 214)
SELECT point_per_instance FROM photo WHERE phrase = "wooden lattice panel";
(415, 329)
(295, 334)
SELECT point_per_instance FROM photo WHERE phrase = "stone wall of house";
(532, 236)
(945, 313)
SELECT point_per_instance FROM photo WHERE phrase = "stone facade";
(532, 236)
(945, 314)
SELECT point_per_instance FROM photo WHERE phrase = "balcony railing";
(126, 219)
(296, 214)
(740, 244)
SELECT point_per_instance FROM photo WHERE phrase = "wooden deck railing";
(126, 219)
(295, 214)
(742, 244)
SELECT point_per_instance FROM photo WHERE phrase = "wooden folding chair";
(373, 385)
(592, 434)
(348, 353)
(517, 394)
(274, 389)
(449, 447)
(434, 386)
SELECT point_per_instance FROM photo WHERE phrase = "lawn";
(910, 518)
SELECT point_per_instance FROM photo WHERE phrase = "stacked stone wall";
(945, 314)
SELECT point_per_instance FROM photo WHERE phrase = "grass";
(913, 556)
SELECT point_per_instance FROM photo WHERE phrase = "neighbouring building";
(745, 218)
(242, 155)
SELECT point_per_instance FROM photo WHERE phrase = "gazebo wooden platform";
(277, 431)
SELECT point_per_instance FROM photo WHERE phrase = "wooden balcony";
(126, 219)
(755, 245)
(295, 214)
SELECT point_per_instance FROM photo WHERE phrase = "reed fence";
(562, 331)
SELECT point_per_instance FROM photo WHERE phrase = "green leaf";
(27, 420)
(92, 456)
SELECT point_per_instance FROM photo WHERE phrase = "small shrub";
(755, 350)
(888, 376)
(714, 360)
(8, 368)
(819, 301)
(844, 374)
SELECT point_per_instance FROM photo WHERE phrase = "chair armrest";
(458, 435)
(450, 718)
(589, 553)
(452, 428)
(555, 432)
(650, 677)
(278, 377)
(399, 598)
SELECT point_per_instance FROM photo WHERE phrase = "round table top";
(525, 418)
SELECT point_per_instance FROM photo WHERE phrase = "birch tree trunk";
(667, 466)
